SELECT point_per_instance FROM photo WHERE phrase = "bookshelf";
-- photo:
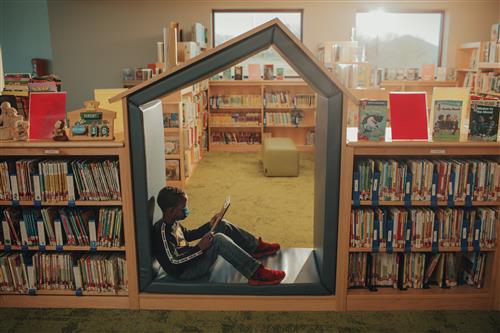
(460, 297)
(243, 112)
(184, 129)
(50, 295)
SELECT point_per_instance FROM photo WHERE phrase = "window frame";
(442, 12)
(282, 10)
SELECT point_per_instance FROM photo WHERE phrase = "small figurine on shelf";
(21, 133)
(8, 121)
(59, 132)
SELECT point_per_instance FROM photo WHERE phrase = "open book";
(222, 212)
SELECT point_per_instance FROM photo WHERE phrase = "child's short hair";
(169, 197)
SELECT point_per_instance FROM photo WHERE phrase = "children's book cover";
(484, 120)
(447, 120)
(372, 120)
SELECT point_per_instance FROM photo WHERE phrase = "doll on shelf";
(8, 122)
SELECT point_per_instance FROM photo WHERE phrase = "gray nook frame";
(329, 114)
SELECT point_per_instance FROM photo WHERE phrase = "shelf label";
(468, 192)
(376, 233)
(38, 195)
(24, 234)
(355, 189)
(51, 151)
(434, 201)
(6, 234)
(58, 231)
(376, 184)
(476, 241)
(71, 189)
(408, 226)
(435, 235)
(41, 234)
(408, 182)
(451, 190)
(15, 190)
(438, 151)
(463, 233)
(92, 235)
(388, 244)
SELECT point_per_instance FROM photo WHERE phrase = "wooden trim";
(60, 144)
(237, 302)
(128, 213)
(46, 301)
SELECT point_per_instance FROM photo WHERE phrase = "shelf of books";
(421, 227)
(184, 127)
(67, 230)
(242, 112)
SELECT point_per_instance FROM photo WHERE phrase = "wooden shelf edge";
(60, 144)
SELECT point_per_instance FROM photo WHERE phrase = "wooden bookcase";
(461, 297)
(67, 298)
(260, 129)
(190, 106)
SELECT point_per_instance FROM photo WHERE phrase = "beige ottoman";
(280, 157)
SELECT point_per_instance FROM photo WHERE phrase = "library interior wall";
(93, 41)
(24, 34)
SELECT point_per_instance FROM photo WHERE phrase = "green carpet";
(84, 320)
(278, 209)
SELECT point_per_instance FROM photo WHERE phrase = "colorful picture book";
(372, 120)
(484, 118)
(269, 72)
(280, 73)
(446, 122)
(171, 145)
(446, 98)
(45, 109)
(254, 72)
(226, 74)
(427, 72)
(408, 115)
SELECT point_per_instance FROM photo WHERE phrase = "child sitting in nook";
(185, 262)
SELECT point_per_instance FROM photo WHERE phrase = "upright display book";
(280, 73)
(226, 74)
(441, 94)
(45, 109)
(427, 72)
(238, 72)
(172, 170)
(408, 115)
(269, 72)
(446, 122)
(484, 120)
(254, 72)
(372, 120)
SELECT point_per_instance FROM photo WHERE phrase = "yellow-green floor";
(276, 208)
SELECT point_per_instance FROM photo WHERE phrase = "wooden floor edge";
(237, 303)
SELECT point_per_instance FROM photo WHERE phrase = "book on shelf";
(411, 229)
(171, 144)
(408, 115)
(238, 72)
(226, 74)
(494, 33)
(412, 74)
(449, 122)
(439, 179)
(243, 101)
(372, 120)
(484, 118)
(27, 273)
(254, 72)
(45, 109)
(446, 74)
(280, 73)
(233, 137)
(62, 226)
(427, 72)
(172, 169)
(236, 119)
(171, 120)
(416, 270)
(268, 72)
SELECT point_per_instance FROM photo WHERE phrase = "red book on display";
(408, 115)
(45, 109)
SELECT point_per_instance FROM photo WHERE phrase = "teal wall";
(24, 33)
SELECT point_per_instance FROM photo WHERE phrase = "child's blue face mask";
(185, 213)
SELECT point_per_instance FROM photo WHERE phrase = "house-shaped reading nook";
(309, 271)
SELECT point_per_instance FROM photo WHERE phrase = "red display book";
(45, 109)
(408, 115)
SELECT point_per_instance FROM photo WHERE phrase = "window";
(229, 24)
(400, 40)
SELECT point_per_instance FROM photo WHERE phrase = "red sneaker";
(265, 249)
(265, 276)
